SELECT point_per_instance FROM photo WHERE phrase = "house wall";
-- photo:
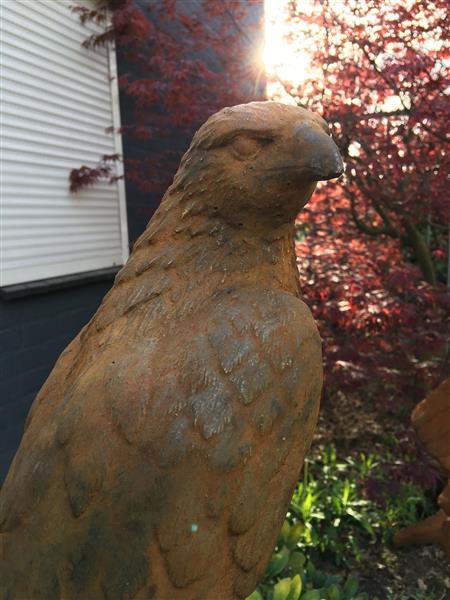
(58, 99)
(35, 329)
(57, 102)
(33, 332)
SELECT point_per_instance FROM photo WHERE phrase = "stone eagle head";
(263, 158)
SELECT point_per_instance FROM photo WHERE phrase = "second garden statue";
(159, 458)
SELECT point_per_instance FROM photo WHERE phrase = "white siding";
(57, 100)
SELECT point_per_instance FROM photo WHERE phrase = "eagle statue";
(159, 458)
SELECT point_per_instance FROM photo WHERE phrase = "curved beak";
(321, 159)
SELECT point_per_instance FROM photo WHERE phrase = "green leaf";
(277, 564)
(346, 492)
(297, 562)
(307, 502)
(285, 531)
(255, 596)
(333, 592)
(350, 587)
(282, 589)
(311, 571)
(296, 588)
(294, 536)
(331, 533)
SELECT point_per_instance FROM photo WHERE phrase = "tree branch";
(372, 231)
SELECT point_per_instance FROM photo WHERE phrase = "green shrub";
(336, 518)
(331, 517)
(291, 576)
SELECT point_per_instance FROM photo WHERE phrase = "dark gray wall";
(34, 331)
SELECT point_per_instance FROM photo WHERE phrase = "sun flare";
(284, 60)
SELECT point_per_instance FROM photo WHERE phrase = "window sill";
(43, 286)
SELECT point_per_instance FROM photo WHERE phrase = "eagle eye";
(244, 146)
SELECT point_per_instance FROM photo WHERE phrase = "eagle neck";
(214, 253)
(217, 254)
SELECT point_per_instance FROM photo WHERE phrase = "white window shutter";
(58, 99)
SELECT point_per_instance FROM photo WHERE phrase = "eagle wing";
(164, 450)
(243, 395)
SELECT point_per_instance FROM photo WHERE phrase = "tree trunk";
(421, 250)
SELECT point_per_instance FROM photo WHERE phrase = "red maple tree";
(371, 246)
